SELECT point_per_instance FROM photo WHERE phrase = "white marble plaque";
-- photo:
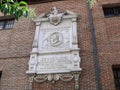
(55, 48)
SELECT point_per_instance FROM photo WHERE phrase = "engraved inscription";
(53, 63)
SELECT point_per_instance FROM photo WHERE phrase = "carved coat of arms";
(55, 17)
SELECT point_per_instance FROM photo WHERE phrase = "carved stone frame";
(53, 77)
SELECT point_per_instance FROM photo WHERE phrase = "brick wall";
(108, 43)
(16, 44)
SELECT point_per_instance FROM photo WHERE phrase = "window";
(116, 72)
(6, 23)
(111, 10)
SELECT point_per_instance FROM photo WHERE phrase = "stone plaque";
(55, 47)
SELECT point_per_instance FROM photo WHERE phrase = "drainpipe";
(0, 74)
(96, 64)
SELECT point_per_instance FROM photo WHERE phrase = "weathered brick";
(16, 45)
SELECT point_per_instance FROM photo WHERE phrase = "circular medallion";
(56, 39)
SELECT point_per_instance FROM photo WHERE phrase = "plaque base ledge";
(54, 72)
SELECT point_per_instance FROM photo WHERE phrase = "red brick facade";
(16, 45)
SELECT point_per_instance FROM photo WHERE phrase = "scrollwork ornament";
(40, 78)
(66, 77)
(55, 77)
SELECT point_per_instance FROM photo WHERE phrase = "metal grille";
(116, 72)
(111, 11)
(6, 24)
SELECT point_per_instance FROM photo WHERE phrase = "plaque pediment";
(55, 17)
